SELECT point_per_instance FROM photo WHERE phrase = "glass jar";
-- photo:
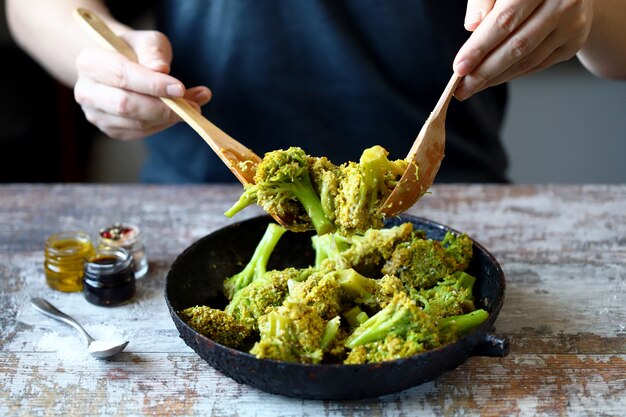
(109, 278)
(129, 237)
(65, 253)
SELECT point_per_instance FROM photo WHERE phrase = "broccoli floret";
(421, 263)
(307, 191)
(365, 253)
(283, 187)
(325, 178)
(400, 317)
(218, 326)
(368, 252)
(293, 332)
(390, 348)
(363, 188)
(401, 329)
(459, 250)
(450, 297)
(269, 290)
(321, 291)
(371, 293)
(257, 266)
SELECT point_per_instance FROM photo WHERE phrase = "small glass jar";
(129, 237)
(109, 279)
(65, 253)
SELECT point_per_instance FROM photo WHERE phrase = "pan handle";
(491, 344)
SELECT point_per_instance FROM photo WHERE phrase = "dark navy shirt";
(331, 76)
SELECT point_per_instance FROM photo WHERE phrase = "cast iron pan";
(196, 276)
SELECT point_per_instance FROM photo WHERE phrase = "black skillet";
(196, 276)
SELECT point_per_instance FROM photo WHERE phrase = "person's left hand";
(518, 37)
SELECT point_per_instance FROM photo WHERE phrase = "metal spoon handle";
(45, 308)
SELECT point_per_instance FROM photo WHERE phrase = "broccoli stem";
(356, 285)
(351, 316)
(306, 195)
(328, 246)
(462, 324)
(379, 326)
(247, 198)
(465, 280)
(257, 266)
(277, 325)
(330, 332)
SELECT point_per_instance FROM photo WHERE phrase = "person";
(330, 76)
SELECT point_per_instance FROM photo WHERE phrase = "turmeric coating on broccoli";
(313, 193)
(369, 297)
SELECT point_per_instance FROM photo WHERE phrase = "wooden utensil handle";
(227, 148)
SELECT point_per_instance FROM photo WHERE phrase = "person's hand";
(120, 97)
(517, 37)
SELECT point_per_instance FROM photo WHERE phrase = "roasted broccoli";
(421, 263)
(373, 294)
(363, 188)
(402, 329)
(366, 253)
(218, 326)
(269, 290)
(450, 297)
(311, 192)
(459, 250)
(321, 290)
(257, 266)
(399, 317)
(377, 296)
(453, 327)
(294, 332)
(282, 186)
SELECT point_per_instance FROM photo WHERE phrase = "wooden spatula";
(231, 152)
(424, 157)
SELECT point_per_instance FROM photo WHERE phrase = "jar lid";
(119, 234)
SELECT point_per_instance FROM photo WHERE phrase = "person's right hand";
(120, 97)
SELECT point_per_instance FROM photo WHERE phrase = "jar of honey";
(65, 253)
(109, 278)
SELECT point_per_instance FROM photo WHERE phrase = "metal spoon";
(99, 349)
(424, 157)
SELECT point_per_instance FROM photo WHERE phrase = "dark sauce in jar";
(109, 278)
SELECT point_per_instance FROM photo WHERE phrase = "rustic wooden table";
(562, 248)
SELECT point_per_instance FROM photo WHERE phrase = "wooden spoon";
(231, 152)
(424, 157)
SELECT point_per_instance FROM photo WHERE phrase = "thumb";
(153, 49)
(476, 12)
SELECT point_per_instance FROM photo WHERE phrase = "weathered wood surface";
(563, 250)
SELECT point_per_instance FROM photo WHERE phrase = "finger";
(549, 53)
(200, 94)
(503, 20)
(111, 68)
(476, 12)
(153, 49)
(515, 51)
(121, 103)
(120, 127)
(558, 55)
(526, 51)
